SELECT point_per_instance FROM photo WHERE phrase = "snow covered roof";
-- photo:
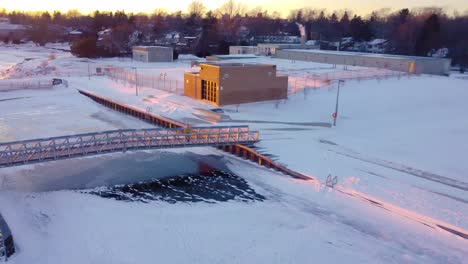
(75, 32)
(346, 40)
(377, 41)
(150, 48)
(4, 26)
(105, 32)
(311, 42)
(173, 35)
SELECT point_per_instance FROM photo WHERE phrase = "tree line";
(408, 31)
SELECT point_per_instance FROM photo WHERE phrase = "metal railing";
(10, 85)
(47, 149)
(298, 82)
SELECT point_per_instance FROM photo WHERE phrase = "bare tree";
(232, 8)
(196, 8)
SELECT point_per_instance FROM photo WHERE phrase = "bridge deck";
(55, 148)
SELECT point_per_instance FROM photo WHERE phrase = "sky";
(364, 7)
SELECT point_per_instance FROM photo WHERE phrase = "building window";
(209, 91)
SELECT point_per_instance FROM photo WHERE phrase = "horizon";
(146, 6)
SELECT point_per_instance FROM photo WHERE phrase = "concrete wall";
(267, 48)
(410, 64)
(152, 54)
(192, 85)
(233, 50)
(140, 55)
(238, 84)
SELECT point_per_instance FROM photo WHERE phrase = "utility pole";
(335, 115)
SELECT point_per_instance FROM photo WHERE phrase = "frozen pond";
(136, 176)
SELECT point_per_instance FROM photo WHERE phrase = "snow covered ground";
(398, 141)
(298, 223)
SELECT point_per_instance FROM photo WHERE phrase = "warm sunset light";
(283, 7)
(233, 131)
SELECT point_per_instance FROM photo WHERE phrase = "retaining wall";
(238, 150)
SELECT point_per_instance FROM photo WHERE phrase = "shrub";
(85, 48)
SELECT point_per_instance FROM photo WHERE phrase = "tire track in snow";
(408, 170)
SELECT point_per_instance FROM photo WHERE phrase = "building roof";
(6, 26)
(377, 41)
(237, 64)
(75, 32)
(148, 48)
(233, 57)
(371, 55)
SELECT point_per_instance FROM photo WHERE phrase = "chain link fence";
(153, 81)
(10, 85)
(298, 82)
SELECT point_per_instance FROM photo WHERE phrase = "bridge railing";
(23, 152)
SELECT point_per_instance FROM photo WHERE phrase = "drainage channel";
(242, 151)
(249, 153)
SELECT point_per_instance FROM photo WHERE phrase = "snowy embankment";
(297, 223)
(400, 141)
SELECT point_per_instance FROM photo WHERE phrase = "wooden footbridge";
(66, 147)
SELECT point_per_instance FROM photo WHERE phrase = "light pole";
(335, 115)
(136, 81)
(89, 71)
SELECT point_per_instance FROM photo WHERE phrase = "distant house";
(12, 31)
(7, 247)
(377, 45)
(173, 37)
(107, 42)
(76, 32)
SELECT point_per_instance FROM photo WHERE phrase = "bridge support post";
(253, 157)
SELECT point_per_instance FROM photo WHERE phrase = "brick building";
(235, 83)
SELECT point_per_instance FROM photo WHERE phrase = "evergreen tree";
(430, 35)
